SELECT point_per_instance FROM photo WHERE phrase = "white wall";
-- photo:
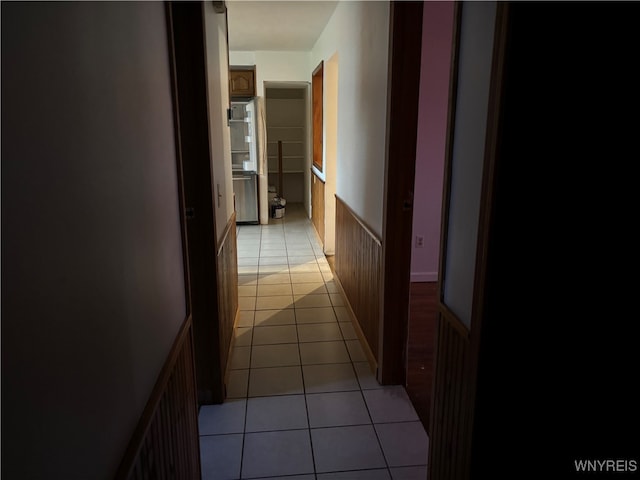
(359, 33)
(218, 97)
(242, 58)
(274, 66)
(92, 273)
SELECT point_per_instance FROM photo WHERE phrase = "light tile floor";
(302, 402)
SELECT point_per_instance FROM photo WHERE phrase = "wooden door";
(317, 183)
(529, 339)
(467, 209)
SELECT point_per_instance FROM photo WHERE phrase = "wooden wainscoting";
(358, 263)
(317, 204)
(450, 432)
(227, 288)
(165, 443)
(423, 314)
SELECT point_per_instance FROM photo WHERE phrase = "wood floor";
(421, 347)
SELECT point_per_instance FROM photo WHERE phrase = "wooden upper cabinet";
(242, 81)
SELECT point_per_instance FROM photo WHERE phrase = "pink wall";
(437, 29)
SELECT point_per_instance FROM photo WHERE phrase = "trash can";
(278, 212)
(277, 207)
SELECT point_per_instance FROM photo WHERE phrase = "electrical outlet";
(419, 241)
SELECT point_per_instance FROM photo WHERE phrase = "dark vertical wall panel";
(92, 273)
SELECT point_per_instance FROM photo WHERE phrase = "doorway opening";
(287, 143)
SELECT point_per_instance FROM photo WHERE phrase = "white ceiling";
(276, 25)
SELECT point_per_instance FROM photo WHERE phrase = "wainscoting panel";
(358, 264)
(317, 205)
(227, 288)
(166, 443)
(450, 422)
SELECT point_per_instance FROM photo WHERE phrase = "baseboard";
(424, 277)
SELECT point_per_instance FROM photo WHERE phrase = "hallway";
(302, 402)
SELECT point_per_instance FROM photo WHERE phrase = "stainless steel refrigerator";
(245, 188)
(242, 122)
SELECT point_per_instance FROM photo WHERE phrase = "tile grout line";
(246, 400)
(373, 425)
(304, 392)
(304, 388)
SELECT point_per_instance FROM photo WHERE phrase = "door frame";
(317, 122)
(305, 87)
(405, 52)
(185, 30)
(318, 168)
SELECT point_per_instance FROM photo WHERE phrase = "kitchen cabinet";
(242, 81)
